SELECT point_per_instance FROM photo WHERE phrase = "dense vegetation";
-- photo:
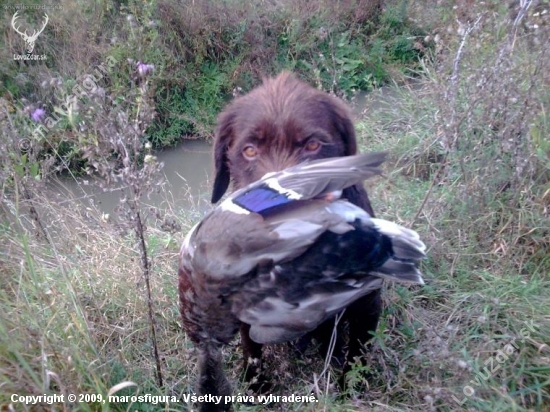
(88, 299)
(202, 53)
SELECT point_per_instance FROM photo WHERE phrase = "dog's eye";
(312, 145)
(250, 151)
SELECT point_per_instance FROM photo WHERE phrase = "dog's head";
(281, 123)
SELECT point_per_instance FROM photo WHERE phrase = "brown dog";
(279, 124)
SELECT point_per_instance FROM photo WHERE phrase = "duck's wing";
(290, 299)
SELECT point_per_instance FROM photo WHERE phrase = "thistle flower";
(145, 69)
(38, 115)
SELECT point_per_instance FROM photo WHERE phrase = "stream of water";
(187, 171)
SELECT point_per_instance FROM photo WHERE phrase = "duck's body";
(285, 253)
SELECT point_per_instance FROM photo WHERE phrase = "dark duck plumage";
(284, 254)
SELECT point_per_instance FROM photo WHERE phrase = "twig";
(451, 98)
(455, 76)
(332, 343)
(34, 213)
(146, 274)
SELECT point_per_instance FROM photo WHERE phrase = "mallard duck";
(282, 255)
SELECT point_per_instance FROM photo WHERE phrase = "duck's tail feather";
(400, 272)
(408, 250)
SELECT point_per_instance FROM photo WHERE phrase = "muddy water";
(187, 173)
(188, 170)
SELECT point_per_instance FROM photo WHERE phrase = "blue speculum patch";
(260, 199)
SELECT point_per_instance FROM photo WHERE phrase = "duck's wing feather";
(307, 181)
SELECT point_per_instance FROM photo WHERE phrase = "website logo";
(29, 40)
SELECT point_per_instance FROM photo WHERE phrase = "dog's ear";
(347, 131)
(341, 119)
(222, 141)
(358, 196)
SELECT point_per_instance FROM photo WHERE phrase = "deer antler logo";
(29, 40)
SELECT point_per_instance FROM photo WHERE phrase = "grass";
(469, 170)
(75, 310)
